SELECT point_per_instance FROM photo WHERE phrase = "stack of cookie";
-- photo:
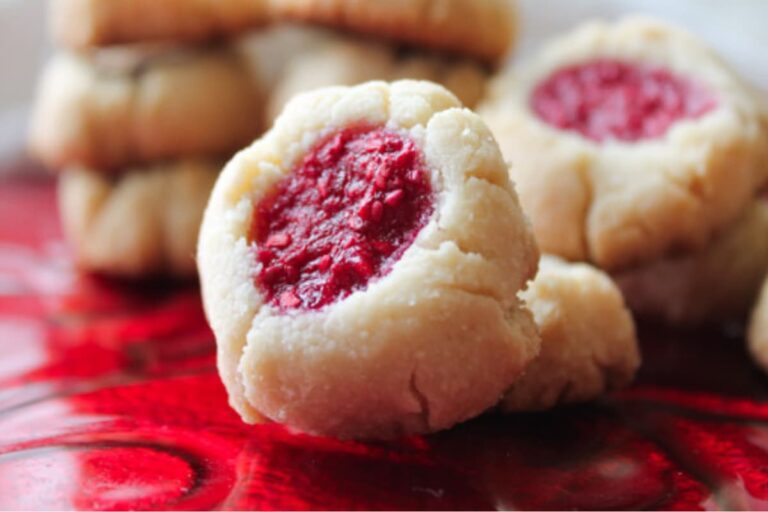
(138, 110)
(146, 100)
(635, 148)
(416, 279)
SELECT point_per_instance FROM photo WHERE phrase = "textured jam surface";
(341, 218)
(608, 99)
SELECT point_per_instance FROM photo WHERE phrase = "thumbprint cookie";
(361, 262)
(628, 141)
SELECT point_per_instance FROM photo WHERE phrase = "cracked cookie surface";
(433, 341)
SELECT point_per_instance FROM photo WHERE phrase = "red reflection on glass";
(109, 399)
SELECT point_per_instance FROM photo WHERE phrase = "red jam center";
(341, 218)
(608, 99)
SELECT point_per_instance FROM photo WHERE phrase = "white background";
(738, 29)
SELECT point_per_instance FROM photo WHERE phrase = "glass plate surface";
(109, 399)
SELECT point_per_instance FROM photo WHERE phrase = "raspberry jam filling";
(341, 218)
(609, 99)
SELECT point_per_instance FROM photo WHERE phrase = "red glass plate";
(109, 399)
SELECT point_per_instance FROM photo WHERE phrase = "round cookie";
(341, 60)
(628, 141)
(715, 284)
(80, 24)
(271, 50)
(142, 223)
(352, 271)
(483, 29)
(588, 342)
(121, 107)
(463, 77)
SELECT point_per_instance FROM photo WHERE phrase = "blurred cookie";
(80, 24)
(141, 223)
(715, 284)
(588, 342)
(122, 107)
(337, 62)
(463, 77)
(757, 333)
(628, 141)
(352, 271)
(483, 29)
(271, 50)
(342, 60)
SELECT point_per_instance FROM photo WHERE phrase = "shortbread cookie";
(337, 62)
(141, 223)
(715, 284)
(350, 61)
(272, 50)
(588, 342)
(628, 141)
(483, 29)
(463, 77)
(80, 24)
(360, 265)
(124, 107)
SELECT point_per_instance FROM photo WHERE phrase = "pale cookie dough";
(715, 284)
(463, 77)
(434, 341)
(338, 62)
(343, 60)
(142, 223)
(588, 342)
(484, 29)
(122, 107)
(618, 203)
(271, 50)
(80, 24)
